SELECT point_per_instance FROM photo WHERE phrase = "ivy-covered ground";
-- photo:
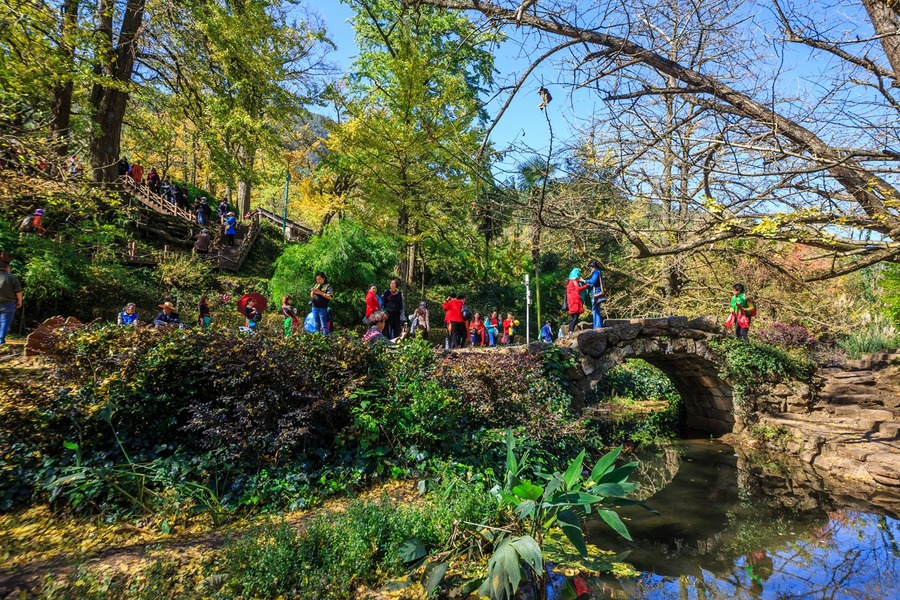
(139, 462)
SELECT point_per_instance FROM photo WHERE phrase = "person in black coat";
(392, 304)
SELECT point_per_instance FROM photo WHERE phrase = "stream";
(738, 524)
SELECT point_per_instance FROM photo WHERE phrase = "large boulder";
(40, 341)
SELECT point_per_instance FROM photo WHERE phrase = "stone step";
(870, 399)
(855, 376)
(890, 431)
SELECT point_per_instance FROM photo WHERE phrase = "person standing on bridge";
(574, 305)
(137, 172)
(740, 314)
(598, 292)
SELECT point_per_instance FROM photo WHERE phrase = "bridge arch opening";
(683, 356)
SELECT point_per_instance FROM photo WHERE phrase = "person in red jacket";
(372, 301)
(453, 307)
(573, 297)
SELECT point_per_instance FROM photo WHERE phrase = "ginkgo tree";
(410, 122)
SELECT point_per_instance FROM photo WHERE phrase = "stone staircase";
(853, 428)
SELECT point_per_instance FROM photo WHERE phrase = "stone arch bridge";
(676, 346)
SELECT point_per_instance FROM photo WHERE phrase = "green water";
(733, 524)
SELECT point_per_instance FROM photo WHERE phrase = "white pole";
(527, 309)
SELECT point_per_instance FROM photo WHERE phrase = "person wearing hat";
(574, 305)
(168, 317)
(10, 298)
(201, 246)
(32, 223)
(230, 228)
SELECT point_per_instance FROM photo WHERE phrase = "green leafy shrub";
(636, 380)
(754, 362)
(349, 255)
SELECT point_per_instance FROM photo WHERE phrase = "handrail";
(154, 200)
(277, 220)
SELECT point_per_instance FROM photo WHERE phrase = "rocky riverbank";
(849, 426)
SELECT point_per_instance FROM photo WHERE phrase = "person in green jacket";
(739, 312)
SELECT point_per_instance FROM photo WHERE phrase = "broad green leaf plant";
(555, 500)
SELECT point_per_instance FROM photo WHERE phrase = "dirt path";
(57, 548)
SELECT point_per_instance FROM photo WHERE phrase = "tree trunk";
(246, 159)
(61, 103)
(108, 97)
(887, 23)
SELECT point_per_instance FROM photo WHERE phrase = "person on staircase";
(203, 212)
(230, 229)
(204, 241)
(153, 180)
(123, 167)
(136, 171)
(221, 211)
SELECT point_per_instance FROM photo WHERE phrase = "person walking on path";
(598, 292)
(291, 323)
(476, 330)
(509, 329)
(573, 297)
(252, 315)
(128, 316)
(740, 313)
(454, 309)
(221, 211)
(230, 229)
(10, 299)
(492, 327)
(321, 295)
(204, 318)
(392, 304)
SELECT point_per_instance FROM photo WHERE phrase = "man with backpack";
(33, 223)
(742, 310)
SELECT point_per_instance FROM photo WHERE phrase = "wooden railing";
(292, 229)
(153, 200)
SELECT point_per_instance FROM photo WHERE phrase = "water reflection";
(742, 526)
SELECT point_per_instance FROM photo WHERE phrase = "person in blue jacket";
(230, 228)
(598, 294)
(547, 333)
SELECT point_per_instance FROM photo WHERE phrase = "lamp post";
(287, 185)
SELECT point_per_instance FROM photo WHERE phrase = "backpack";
(466, 313)
(27, 225)
(750, 309)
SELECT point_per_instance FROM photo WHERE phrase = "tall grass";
(876, 335)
